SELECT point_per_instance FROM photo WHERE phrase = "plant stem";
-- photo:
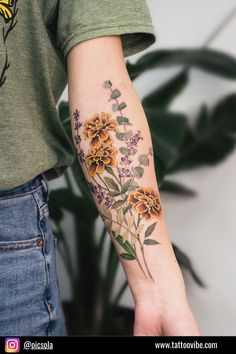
(143, 254)
(117, 179)
(107, 188)
(226, 20)
(145, 262)
(119, 176)
(116, 222)
(121, 114)
(131, 215)
(140, 265)
(98, 184)
(139, 219)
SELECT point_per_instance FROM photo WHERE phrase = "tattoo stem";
(121, 113)
(143, 254)
(117, 179)
(139, 219)
(103, 182)
(126, 228)
(140, 265)
(99, 185)
(145, 262)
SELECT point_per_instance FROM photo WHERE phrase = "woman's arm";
(114, 147)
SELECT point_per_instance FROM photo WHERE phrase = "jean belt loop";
(45, 185)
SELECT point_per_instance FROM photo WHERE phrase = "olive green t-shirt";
(35, 37)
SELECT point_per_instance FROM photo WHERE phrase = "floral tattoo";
(115, 179)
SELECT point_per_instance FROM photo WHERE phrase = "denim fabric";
(29, 294)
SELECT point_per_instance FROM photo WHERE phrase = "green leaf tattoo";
(150, 230)
(151, 242)
(127, 256)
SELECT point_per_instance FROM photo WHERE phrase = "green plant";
(177, 146)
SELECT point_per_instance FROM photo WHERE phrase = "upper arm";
(93, 61)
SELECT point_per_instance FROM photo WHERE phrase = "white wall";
(203, 226)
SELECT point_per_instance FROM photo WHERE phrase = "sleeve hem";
(135, 38)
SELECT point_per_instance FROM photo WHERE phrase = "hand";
(164, 319)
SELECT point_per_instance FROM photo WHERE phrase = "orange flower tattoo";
(97, 129)
(146, 202)
(99, 157)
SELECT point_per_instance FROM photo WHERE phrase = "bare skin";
(156, 282)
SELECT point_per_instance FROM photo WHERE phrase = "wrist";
(168, 287)
(166, 319)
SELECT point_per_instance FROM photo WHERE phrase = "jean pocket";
(21, 245)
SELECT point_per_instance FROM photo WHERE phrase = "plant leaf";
(106, 212)
(203, 120)
(121, 106)
(117, 232)
(127, 256)
(138, 171)
(176, 188)
(130, 221)
(113, 194)
(167, 142)
(224, 113)
(126, 186)
(125, 236)
(143, 160)
(111, 183)
(126, 246)
(213, 61)
(55, 212)
(115, 94)
(120, 216)
(160, 168)
(127, 209)
(109, 170)
(163, 96)
(115, 107)
(62, 198)
(129, 134)
(151, 242)
(150, 229)
(150, 151)
(63, 110)
(107, 84)
(123, 120)
(118, 203)
(134, 185)
(121, 136)
(123, 150)
(212, 138)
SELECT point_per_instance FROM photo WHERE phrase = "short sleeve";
(80, 20)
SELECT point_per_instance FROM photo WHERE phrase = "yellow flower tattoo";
(146, 202)
(99, 157)
(97, 129)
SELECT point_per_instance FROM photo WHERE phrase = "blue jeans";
(29, 294)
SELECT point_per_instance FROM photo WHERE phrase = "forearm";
(114, 146)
